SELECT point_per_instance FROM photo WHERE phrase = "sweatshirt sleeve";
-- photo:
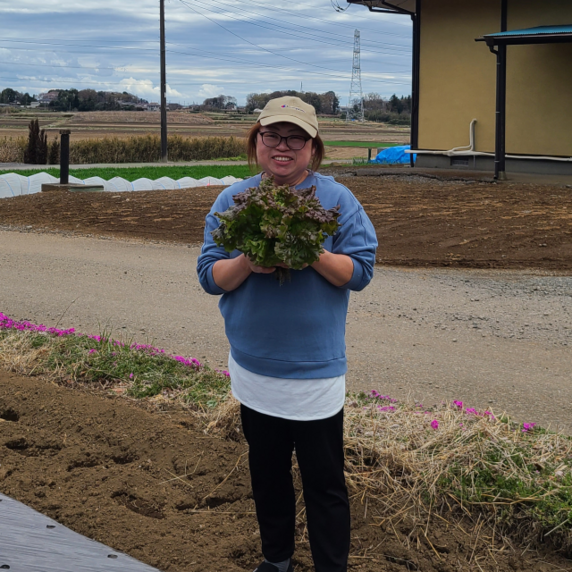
(210, 252)
(357, 239)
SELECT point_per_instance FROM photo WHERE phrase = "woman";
(287, 360)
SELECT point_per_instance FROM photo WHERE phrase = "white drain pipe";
(468, 150)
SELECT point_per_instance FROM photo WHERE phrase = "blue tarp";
(394, 156)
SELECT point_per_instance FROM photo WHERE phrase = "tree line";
(326, 103)
(394, 110)
(92, 100)
(10, 95)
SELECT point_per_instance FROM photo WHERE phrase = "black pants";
(319, 450)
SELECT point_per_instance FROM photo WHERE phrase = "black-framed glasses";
(294, 142)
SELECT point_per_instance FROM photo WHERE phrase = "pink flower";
(526, 427)
(386, 408)
(7, 323)
(435, 424)
(458, 404)
(130, 376)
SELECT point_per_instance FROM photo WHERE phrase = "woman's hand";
(259, 269)
(230, 273)
(335, 268)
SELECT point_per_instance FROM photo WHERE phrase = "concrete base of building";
(483, 163)
(47, 187)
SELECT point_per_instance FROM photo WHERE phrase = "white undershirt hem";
(294, 399)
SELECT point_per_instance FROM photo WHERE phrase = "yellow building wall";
(539, 83)
(458, 78)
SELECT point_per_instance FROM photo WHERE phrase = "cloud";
(108, 45)
(145, 88)
(209, 90)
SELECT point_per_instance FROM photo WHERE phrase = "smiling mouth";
(282, 159)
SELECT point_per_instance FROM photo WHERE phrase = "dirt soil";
(152, 484)
(420, 221)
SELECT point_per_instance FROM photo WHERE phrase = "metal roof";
(537, 30)
(397, 6)
(537, 35)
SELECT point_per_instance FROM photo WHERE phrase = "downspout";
(414, 140)
(500, 129)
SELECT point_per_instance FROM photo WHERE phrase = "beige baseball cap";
(290, 110)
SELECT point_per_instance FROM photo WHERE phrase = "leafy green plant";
(276, 225)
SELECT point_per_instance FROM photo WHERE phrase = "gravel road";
(500, 340)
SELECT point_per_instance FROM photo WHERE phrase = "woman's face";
(288, 166)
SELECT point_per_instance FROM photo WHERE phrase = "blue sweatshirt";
(297, 329)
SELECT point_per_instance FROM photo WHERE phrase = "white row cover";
(12, 185)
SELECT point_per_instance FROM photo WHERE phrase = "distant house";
(47, 98)
(153, 107)
(508, 110)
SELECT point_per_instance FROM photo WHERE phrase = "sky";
(213, 47)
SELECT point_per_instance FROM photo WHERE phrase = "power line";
(44, 43)
(251, 43)
(259, 47)
(213, 55)
(308, 17)
(59, 66)
(312, 31)
(289, 33)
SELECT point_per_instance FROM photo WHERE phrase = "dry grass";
(135, 149)
(517, 478)
(516, 484)
(147, 149)
(12, 150)
(18, 354)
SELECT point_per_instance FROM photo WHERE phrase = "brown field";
(98, 124)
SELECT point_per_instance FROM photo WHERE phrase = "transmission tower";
(355, 101)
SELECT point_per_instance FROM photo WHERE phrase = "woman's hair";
(317, 157)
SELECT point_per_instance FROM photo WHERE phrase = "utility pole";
(355, 100)
(163, 87)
